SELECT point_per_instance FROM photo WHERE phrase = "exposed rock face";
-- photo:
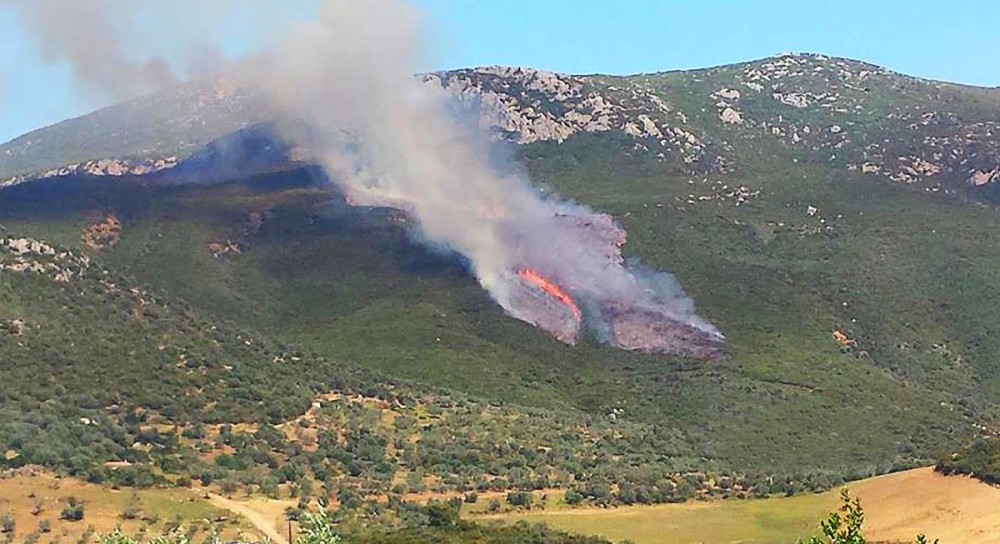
(729, 115)
(26, 255)
(979, 178)
(727, 94)
(527, 106)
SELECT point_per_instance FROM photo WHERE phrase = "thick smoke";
(344, 82)
(106, 42)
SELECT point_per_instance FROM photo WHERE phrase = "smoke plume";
(344, 86)
(344, 82)
(107, 44)
(89, 35)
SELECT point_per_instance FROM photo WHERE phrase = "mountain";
(852, 116)
(832, 218)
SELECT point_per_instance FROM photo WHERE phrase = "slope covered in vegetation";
(854, 282)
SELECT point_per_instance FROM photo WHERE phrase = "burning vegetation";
(633, 308)
(346, 97)
(546, 305)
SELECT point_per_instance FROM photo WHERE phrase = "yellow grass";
(266, 515)
(956, 510)
(103, 508)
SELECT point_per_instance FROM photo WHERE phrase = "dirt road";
(257, 519)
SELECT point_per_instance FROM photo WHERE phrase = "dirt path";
(257, 519)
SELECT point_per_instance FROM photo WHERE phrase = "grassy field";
(36, 500)
(897, 506)
(762, 521)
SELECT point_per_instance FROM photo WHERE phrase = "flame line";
(534, 278)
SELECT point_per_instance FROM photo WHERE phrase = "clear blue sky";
(952, 40)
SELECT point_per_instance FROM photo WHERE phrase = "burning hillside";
(565, 272)
(347, 96)
(342, 90)
(637, 309)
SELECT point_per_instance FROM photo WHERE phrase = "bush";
(73, 510)
(573, 497)
(115, 537)
(520, 498)
(130, 512)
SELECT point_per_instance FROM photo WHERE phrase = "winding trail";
(255, 518)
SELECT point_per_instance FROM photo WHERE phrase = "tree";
(317, 528)
(442, 514)
(7, 523)
(520, 498)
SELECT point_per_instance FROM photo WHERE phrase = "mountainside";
(845, 114)
(825, 214)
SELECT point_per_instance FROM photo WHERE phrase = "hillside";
(794, 198)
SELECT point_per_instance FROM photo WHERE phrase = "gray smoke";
(344, 83)
(106, 42)
(89, 35)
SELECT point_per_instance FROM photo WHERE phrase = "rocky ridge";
(851, 116)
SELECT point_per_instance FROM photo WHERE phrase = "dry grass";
(32, 499)
(956, 510)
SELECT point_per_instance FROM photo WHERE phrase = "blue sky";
(949, 40)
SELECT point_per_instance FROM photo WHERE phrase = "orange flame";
(553, 290)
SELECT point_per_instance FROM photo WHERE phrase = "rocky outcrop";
(226, 248)
(979, 178)
(527, 106)
(14, 327)
(30, 256)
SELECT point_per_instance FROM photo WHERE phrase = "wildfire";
(534, 278)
